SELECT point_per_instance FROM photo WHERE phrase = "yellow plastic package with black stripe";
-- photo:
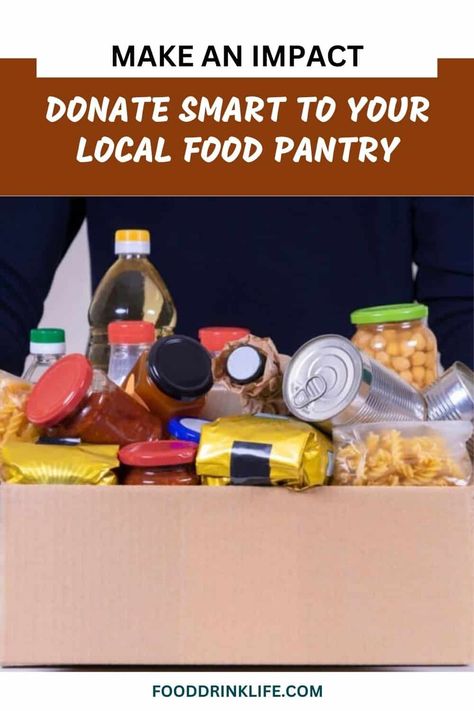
(263, 450)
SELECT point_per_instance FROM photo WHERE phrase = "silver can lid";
(322, 378)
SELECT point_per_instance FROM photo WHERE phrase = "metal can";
(452, 397)
(330, 382)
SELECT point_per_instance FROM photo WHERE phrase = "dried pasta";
(14, 425)
(403, 454)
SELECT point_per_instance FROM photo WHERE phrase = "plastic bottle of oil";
(131, 290)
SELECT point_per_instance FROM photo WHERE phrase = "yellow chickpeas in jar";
(398, 337)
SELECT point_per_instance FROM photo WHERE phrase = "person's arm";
(443, 251)
(35, 233)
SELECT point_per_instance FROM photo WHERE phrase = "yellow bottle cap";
(132, 241)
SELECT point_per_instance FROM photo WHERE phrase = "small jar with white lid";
(215, 339)
(245, 364)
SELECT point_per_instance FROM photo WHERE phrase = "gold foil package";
(25, 463)
(263, 450)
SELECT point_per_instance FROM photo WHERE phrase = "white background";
(402, 38)
(68, 301)
(342, 691)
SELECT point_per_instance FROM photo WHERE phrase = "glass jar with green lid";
(398, 337)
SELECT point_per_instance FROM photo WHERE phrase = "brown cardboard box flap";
(236, 575)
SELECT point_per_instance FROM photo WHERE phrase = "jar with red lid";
(74, 400)
(169, 462)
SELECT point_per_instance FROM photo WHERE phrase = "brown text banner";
(246, 136)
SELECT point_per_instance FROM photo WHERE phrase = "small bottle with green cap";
(47, 346)
(398, 336)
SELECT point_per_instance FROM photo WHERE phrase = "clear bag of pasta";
(14, 424)
(403, 454)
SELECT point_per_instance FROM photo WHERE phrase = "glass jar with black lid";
(172, 378)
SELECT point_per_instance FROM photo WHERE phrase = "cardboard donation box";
(236, 575)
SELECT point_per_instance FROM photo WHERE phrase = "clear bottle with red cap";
(74, 400)
(128, 340)
(159, 463)
(215, 338)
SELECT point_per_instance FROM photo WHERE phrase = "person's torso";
(289, 268)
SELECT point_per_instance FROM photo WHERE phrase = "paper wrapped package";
(263, 395)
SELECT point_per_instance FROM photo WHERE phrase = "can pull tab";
(314, 389)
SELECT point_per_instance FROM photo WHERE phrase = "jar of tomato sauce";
(398, 337)
(74, 400)
(159, 463)
(172, 378)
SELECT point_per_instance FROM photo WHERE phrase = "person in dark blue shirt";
(289, 268)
